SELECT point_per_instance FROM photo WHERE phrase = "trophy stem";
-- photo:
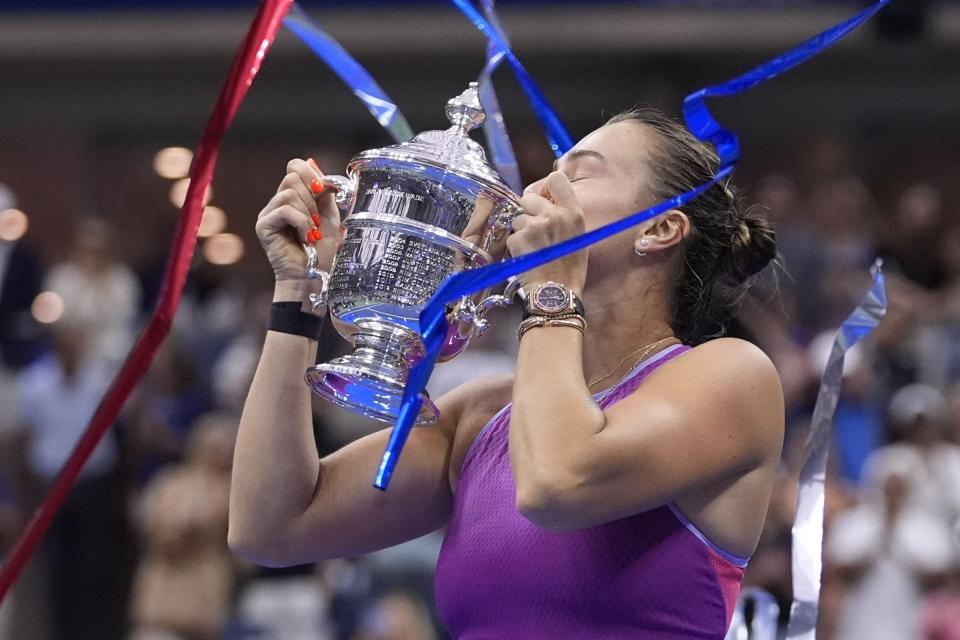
(370, 381)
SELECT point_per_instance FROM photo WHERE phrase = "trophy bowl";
(413, 213)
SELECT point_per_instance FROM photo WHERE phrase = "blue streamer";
(560, 141)
(383, 108)
(699, 120)
(494, 128)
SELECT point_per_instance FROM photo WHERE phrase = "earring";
(644, 243)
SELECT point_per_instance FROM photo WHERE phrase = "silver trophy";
(413, 213)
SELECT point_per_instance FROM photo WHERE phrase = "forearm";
(276, 467)
(553, 415)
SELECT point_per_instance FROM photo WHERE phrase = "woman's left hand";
(551, 214)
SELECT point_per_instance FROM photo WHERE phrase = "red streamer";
(245, 66)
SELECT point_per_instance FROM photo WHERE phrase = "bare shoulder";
(470, 406)
(733, 379)
(727, 354)
(732, 364)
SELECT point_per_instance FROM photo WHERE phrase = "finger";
(557, 188)
(534, 187)
(310, 176)
(535, 205)
(286, 197)
(520, 222)
(286, 217)
(322, 192)
(295, 181)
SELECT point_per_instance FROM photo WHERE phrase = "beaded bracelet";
(573, 320)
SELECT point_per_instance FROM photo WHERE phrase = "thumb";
(558, 189)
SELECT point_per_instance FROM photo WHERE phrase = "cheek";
(603, 204)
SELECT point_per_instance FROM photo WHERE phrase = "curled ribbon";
(380, 105)
(807, 535)
(560, 141)
(245, 66)
(494, 128)
(433, 323)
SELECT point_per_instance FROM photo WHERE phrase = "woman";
(593, 506)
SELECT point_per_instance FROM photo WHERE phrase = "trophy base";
(371, 380)
(362, 391)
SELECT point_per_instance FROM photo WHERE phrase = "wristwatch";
(552, 299)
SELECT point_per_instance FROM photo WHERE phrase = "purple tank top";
(651, 575)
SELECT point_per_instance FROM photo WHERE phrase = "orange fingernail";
(316, 186)
(319, 235)
(313, 163)
(316, 219)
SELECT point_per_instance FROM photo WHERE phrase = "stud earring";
(644, 243)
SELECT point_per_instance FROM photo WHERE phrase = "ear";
(666, 230)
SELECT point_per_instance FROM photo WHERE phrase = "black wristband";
(286, 317)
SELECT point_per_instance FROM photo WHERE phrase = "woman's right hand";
(302, 203)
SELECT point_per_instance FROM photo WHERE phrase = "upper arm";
(712, 414)
(348, 516)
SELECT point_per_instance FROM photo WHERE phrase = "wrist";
(298, 291)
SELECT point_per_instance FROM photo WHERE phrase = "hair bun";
(753, 244)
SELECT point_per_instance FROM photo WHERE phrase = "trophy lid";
(451, 149)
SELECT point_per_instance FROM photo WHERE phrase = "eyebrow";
(579, 153)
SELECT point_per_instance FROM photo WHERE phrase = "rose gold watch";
(552, 299)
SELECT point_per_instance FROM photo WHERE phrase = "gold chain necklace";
(647, 349)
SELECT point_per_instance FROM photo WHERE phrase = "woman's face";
(610, 173)
(609, 169)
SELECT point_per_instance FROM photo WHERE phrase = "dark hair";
(727, 243)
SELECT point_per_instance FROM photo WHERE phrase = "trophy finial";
(465, 112)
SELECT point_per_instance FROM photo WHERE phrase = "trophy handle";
(476, 314)
(343, 197)
(315, 272)
(344, 191)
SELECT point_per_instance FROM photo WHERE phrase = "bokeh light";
(178, 192)
(214, 221)
(223, 248)
(173, 162)
(13, 224)
(47, 307)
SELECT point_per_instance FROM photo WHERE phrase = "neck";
(622, 320)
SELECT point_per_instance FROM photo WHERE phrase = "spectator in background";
(898, 541)
(842, 210)
(927, 463)
(184, 584)
(98, 292)
(10, 525)
(20, 278)
(940, 616)
(798, 242)
(58, 395)
(396, 616)
(917, 225)
(173, 395)
(233, 370)
(887, 552)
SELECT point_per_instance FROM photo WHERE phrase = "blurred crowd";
(139, 549)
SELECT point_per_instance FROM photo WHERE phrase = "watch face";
(552, 297)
